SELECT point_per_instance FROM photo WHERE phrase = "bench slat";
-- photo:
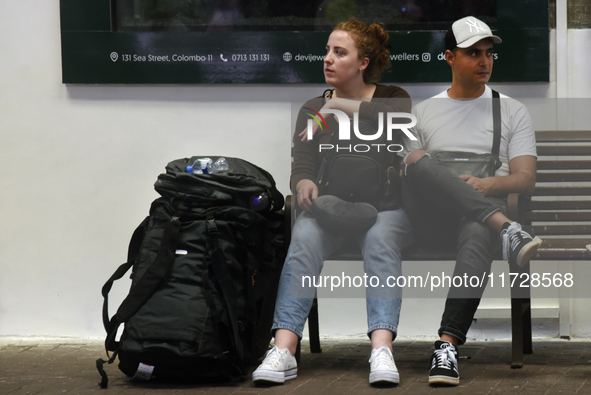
(413, 253)
(548, 251)
(573, 242)
(564, 164)
(542, 190)
(561, 254)
(563, 176)
(559, 150)
(563, 249)
(559, 205)
(563, 135)
(558, 216)
(566, 230)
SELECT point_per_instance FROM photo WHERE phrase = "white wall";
(77, 165)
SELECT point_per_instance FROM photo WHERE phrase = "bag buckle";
(211, 226)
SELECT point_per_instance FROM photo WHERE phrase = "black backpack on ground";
(204, 278)
(359, 170)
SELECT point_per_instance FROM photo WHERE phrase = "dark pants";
(444, 210)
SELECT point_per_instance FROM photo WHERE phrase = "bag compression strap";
(496, 128)
(222, 274)
(142, 290)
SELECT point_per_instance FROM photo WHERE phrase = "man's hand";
(521, 180)
(307, 191)
(482, 185)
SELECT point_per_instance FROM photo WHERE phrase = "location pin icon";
(114, 56)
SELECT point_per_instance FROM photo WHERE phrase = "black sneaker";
(444, 364)
(519, 243)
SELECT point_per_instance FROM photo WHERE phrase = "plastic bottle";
(261, 202)
(207, 166)
(219, 165)
(199, 166)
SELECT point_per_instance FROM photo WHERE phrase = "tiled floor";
(66, 366)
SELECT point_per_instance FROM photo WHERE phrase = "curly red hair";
(371, 43)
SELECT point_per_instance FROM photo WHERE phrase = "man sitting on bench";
(470, 208)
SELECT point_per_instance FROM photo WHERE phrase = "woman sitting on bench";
(356, 55)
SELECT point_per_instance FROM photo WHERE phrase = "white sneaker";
(382, 367)
(279, 365)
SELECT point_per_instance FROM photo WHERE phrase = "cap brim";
(474, 39)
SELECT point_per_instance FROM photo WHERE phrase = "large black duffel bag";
(205, 269)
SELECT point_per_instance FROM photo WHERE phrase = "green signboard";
(97, 51)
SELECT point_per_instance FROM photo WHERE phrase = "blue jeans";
(445, 210)
(311, 244)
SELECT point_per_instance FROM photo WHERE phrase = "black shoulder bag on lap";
(354, 184)
(477, 165)
(358, 172)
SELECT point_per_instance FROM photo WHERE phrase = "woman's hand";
(315, 125)
(348, 106)
(307, 191)
(415, 156)
(304, 133)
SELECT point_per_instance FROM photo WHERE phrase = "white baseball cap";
(468, 31)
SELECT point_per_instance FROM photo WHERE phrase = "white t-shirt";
(446, 124)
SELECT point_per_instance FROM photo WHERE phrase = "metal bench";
(559, 211)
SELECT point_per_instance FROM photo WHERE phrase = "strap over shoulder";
(496, 128)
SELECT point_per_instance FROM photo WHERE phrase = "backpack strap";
(496, 128)
(147, 284)
(132, 254)
(142, 290)
(221, 275)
